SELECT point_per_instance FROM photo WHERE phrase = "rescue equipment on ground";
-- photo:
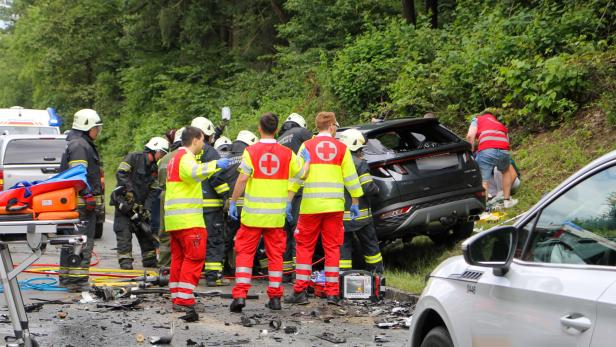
(354, 284)
(53, 199)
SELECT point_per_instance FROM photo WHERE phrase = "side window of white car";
(579, 227)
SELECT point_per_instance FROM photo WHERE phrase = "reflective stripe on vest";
(267, 190)
(331, 172)
(183, 197)
(491, 133)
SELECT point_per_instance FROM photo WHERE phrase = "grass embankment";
(544, 159)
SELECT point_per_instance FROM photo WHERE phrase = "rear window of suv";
(34, 151)
(410, 138)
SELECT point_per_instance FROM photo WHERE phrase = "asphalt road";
(79, 324)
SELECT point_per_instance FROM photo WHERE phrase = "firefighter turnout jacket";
(215, 189)
(137, 175)
(82, 150)
(183, 196)
(369, 188)
(294, 138)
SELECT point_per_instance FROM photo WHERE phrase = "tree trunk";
(408, 11)
(432, 6)
(282, 17)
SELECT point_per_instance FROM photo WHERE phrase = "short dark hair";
(189, 134)
(269, 123)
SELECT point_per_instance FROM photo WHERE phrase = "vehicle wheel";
(437, 337)
(463, 230)
(98, 232)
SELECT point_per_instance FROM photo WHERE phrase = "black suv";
(429, 183)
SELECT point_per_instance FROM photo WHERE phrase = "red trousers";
(187, 259)
(309, 226)
(246, 242)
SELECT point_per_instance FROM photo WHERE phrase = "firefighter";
(265, 171)
(184, 218)
(362, 226)
(164, 250)
(215, 191)
(81, 150)
(293, 135)
(244, 139)
(322, 208)
(136, 176)
(223, 146)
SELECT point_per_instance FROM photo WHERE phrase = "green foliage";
(147, 66)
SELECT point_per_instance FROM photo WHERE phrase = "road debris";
(139, 338)
(130, 304)
(290, 329)
(61, 314)
(330, 337)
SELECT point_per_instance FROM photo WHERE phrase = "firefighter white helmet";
(204, 124)
(353, 138)
(222, 141)
(86, 119)
(247, 137)
(178, 135)
(157, 144)
(294, 117)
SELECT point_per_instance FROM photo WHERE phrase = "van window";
(34, 151)
(28, 130)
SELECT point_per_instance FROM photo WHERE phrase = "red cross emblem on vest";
(269, 164)
(326, 150)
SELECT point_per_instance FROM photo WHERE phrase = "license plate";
(437, 162)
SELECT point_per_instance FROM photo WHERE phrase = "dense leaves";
(149, 65)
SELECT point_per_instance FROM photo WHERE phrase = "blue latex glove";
(223, 163)
(289, 212)
(233, 210)
(354, 212)
(305, 154)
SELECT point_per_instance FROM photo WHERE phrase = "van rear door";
(31, 159)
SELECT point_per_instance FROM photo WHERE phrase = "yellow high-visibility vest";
(331, 171)
(270, 166)
(183, 198)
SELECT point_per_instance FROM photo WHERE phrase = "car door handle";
(576, 321)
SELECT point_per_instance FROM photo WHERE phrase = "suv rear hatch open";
(419, 164)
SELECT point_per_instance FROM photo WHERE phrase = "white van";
(18, 120)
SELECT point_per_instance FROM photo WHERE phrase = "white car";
(548, 280)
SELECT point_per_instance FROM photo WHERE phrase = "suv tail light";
(481, 195)
(396, 212)
(1, 179)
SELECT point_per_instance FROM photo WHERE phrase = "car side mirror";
(493, 248)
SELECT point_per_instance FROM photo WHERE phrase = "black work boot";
(300, 298)
(274, 304)
(126, 265)
(149, 263)
(216, 280)
(191, 315)
(333, 300)
(237, 305)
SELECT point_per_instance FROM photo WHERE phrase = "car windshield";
(410, 138)
(34, 151)
(28, 130)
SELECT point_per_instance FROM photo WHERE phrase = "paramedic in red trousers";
(184, 219)
(492, 152)
(331, 171)
(81, 150)
(265, 171)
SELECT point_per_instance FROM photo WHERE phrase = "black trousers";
(215, 251)
(289, 253)
(369, 244)
(124, 231)
(77, 277)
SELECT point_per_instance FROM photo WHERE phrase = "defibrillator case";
(61, 200)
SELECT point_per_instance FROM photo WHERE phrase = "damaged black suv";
(429, 183)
